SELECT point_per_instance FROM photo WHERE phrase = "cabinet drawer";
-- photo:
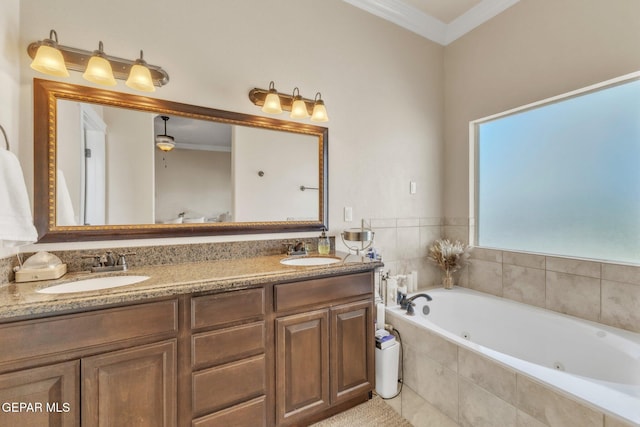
(76, 331)
(226, 345)
(321, 291)
(226, 385)
(227, 307)
(250, 414)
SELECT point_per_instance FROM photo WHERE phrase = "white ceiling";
(193, 134)
(441, 21)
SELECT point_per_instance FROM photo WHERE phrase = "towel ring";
(6, 140)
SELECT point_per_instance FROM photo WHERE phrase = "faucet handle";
(122, 259)
(96, 259)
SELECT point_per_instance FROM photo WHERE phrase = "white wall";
(130, 181)
(534, 50)
(288, 161)
(382, 84)
(192, 181)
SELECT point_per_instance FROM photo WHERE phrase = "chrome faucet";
(108, 262)
(298, 249)
(408, 304)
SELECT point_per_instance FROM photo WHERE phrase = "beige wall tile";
(486, 276)
(430, 221)
(431, 380)
(381, 223)
(408, 222)
(408, 245)
(552, 408)
(610, 421)
(491, 376)
(460, 221)
(621, 305)
(420, 413)
(574, 266)
(478, 407)
(525, 420)
(426, 343)
(575, 295)
(428, 234)
(524, 284)
(456, 232)
(524, 259)
(386, 239)
(621, 273)
(485, 254)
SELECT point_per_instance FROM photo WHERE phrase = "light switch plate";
(412, 187)
(348, 213)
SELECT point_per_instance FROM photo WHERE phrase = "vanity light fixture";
(99, 69)
(48, 58)
(298, 108)
(55, 60)
(140, 76)
(319, 111)
(273, 102)
(165, 142)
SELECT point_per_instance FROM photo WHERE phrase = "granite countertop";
(20, 300)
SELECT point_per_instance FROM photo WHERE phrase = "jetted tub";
(594, 362)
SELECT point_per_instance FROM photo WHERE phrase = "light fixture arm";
(77, 59)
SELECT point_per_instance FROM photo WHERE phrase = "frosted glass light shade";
(99, 71)
(272, 103)
(165, 142)
(140, 79)
(49, 60)
(319, 112)
(299, 110)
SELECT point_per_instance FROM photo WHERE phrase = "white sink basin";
(309, 261)
(93, 284)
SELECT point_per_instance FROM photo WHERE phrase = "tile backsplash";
(601, 292)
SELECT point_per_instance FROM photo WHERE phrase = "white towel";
(16, 222)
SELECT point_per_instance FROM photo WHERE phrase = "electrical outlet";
(348, 213)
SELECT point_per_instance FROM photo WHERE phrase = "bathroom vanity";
(237, 342)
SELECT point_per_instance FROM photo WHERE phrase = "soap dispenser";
(324, 244)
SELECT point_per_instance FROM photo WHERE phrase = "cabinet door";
(132, 387)
(302, 365)
(352, 350)
(41, 397)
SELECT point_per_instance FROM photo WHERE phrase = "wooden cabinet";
(302, 365)
(132, 387)
(276, 355)
(325, 350)
(228, 359)
(41, 397)
(112, 367)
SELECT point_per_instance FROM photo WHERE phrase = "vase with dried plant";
(450, 257)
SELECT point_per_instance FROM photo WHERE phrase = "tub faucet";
(408, 304)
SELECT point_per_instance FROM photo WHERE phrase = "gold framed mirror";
(262, 175)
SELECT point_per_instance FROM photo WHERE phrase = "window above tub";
(561, 176)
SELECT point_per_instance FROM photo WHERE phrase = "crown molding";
(427, 26)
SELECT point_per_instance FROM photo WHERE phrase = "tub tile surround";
(169, 254)
(597, 291)
(472, 390)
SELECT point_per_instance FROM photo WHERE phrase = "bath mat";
(374, 412)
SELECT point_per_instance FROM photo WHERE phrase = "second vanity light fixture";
(273, 102)
(53, 59)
